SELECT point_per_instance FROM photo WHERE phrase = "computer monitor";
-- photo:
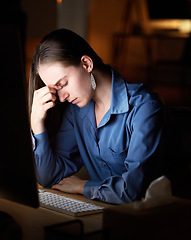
(17, 168)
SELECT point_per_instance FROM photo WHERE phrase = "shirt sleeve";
(58, 160)
(143, 162)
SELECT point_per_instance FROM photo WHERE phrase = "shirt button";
(103, 164)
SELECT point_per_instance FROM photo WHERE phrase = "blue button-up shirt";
(122, 155)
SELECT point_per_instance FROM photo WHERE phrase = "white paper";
(158, 193)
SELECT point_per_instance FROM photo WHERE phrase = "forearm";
(53, 166)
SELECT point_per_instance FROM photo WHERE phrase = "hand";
(43, 99)
(71, 184)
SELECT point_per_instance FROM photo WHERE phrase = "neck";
(102, 95)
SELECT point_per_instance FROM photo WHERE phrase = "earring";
(93, 82)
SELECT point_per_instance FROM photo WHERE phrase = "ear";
(87, 63)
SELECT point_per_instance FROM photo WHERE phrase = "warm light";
(176, 24)
(59, 1)
(185, 26)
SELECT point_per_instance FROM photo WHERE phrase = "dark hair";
(64, 46)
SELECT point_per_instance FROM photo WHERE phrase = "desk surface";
(33, 221)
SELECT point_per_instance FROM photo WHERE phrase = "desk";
(33, 221)
(170, 221)
(124, 219)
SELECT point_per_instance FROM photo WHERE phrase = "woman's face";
(74, 82)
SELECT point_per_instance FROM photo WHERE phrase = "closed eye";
(62, 84)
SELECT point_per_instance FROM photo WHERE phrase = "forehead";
(50, 68)
(50, 73)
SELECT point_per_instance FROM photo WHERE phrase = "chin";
(82, 104)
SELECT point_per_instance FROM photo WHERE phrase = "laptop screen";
(17, 168)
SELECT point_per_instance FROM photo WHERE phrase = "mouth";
(74, 101)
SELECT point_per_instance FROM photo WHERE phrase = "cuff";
(41, 141)
(90, 189)
(33, 141)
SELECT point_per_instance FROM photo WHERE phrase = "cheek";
(82, 86)
(86, 83)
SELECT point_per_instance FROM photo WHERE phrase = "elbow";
(47, 180)
(43, 180)
(43, 183)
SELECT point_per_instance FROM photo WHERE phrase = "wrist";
(37, 128)
(81, 186)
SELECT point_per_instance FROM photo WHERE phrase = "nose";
(62, 96)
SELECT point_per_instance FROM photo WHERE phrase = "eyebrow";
(59, 80)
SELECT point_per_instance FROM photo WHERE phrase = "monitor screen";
(17, 169)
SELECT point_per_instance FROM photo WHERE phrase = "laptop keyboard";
(67, 205)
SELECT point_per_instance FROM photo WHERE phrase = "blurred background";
(145, 40)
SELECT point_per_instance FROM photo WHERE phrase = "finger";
(53, 88)
(48, 97)
(45, 95)
(39, 93)
(57, 187)
(48, 105)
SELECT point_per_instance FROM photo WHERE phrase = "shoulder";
(140, 94)
(137, 93)
(134, 95)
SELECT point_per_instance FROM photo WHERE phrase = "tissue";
(158, 193)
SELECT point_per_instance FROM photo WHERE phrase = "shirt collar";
(119, 96)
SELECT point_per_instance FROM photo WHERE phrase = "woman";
(113, 128)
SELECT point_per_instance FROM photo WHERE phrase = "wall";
(98, 21)
(104, 19)
(41, 17)
(72, 14)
